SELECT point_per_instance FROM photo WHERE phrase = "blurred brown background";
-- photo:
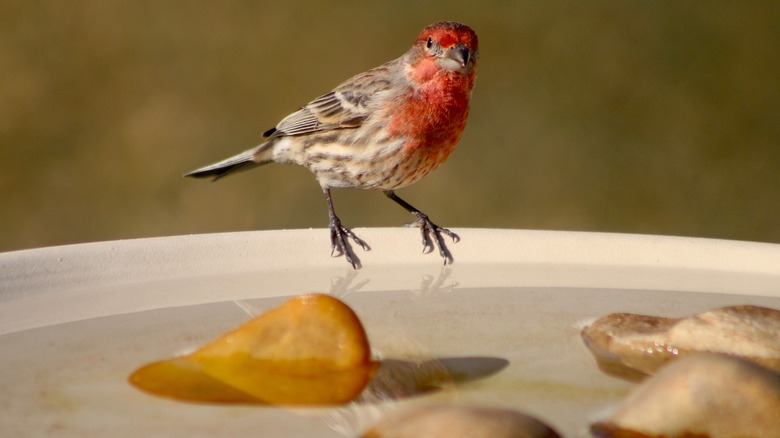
(618, 116)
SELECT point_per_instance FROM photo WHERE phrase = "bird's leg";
(340, 235)
(431, 233)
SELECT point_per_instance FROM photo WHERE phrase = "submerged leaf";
(310, 350)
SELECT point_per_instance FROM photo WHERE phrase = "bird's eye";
(429, 44)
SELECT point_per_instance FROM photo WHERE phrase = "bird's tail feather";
(238, 163)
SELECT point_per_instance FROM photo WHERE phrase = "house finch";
(382, 129)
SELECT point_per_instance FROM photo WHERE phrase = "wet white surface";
(76, 320)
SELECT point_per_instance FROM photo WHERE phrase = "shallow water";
(71, 378)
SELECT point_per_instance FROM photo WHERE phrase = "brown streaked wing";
(347, 106)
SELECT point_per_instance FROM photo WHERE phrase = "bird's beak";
(460, 54)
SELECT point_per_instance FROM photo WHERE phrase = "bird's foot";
(339, 243)
(432, 236)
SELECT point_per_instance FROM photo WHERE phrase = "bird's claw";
(432, 237)
(339, 243)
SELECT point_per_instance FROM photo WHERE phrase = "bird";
(383, 129)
